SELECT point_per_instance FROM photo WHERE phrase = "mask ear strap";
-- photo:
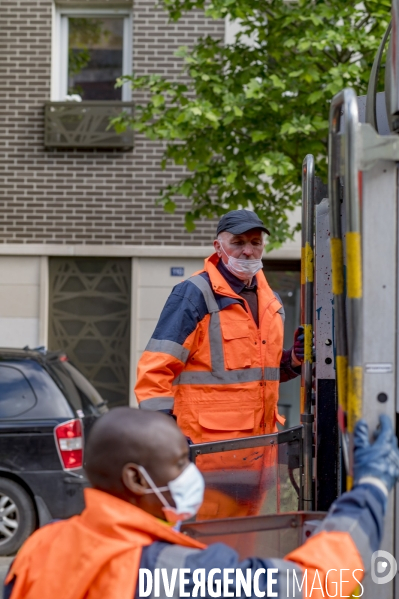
(154, 488)
(221, 245)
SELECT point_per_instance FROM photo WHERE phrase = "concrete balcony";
(85, 125)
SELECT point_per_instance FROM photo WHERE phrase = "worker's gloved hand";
(298, 349)
(379, 460)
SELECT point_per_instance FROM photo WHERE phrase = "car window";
(16, 394)
(88, 393)
(66, 384)
(79, 391)
(49, 402)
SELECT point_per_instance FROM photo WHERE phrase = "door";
(90, 320)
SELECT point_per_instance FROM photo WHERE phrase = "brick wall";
(83, 196)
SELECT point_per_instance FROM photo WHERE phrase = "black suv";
(46, 410)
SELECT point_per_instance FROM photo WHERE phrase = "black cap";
(240, 221)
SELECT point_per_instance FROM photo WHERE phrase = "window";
(91, 48)
(16, 394)
(80, 393)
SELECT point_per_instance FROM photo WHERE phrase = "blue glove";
(380, 459)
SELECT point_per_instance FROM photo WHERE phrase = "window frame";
(59, 50)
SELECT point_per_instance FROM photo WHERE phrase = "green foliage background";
(250, 112)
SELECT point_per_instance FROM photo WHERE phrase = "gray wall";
(20, 278)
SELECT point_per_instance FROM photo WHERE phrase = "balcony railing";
(85, 125)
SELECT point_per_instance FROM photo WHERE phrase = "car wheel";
(17, 516)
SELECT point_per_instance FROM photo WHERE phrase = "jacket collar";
(118, 519)
(221, 286)
(224, 282)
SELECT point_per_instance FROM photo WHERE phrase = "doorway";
(90, 320)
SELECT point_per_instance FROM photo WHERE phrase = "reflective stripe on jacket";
(210, 363)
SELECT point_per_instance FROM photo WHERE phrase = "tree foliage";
(250, 112)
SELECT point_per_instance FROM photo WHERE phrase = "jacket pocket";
(237, 345)
(226, 424)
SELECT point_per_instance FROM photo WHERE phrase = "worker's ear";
(133, 479)
(216, 245)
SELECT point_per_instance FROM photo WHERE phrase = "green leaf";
(277, 82)
(258, 135)
(186, 188)
(169, 206)
(314, 96)
(211, 116)
(231, 177)
(237, 111)
(189, 222)
(244, 115)
(158, 100)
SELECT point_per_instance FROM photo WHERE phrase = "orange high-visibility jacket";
(210, 363)
(92, 556)
(98, 555)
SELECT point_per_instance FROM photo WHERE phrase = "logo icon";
(383, 567)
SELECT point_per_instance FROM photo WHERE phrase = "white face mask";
(187, 492)
(242, 269)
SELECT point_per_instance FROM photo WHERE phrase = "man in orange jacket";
(216, 358)
(139, 467)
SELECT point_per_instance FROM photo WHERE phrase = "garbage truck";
(349, 305)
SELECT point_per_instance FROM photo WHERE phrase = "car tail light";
(69, 440)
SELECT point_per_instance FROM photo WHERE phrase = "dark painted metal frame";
(291, 434)
(88, 126)
(307, 315)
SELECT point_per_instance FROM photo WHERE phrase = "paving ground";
(4, 565)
